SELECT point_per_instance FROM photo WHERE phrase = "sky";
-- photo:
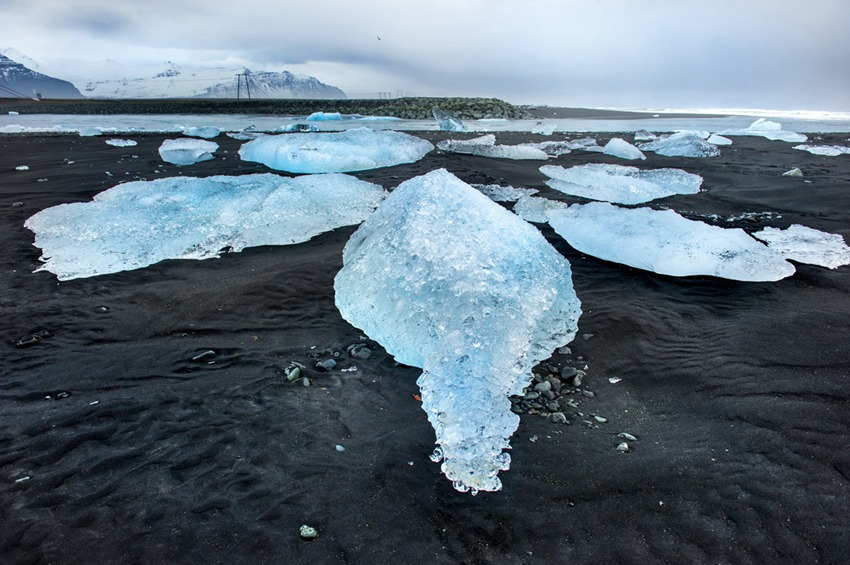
(772, 54)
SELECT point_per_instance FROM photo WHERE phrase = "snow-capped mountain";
(18, 81)
(175, 82)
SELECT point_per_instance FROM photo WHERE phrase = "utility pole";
(239, 78)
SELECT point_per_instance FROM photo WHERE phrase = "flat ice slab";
(121, 142)
(536, 209)
(825, 150)
(358, 149)
(682, 144)
(617, 183)
(807, 245)
(767, 129)
(187, 151)
(447, 280)
(485, 146)
(136, 224)
(498, 193)
(207, 132)
(666, 243)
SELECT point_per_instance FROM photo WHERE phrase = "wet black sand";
(117, 447)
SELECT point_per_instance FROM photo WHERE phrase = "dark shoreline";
(118, 446)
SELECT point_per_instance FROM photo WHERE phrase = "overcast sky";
(776, 54)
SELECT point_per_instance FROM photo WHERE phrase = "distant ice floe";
(825, 150)
(296, 128)
(447, 122)
(620, 184)
(544, 128)
(643, 135)
(623, 149)
(324, 117)
(139, 223)
(535, 209)
(498, 193)
(485, 146)
(121, 142)
(807, 245)
(90, 132)
(451, 282)
(767, 129)
(357, 149)
(206, 132)
(666, 243)
(682, 144)
(187, 151)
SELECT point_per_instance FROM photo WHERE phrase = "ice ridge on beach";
(187, 151)
(357, 149)
(664, 242)
(449, 281)
(139, 223)
(620, 184)
(485, 146)
(807, 245)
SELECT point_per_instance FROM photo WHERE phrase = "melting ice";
(807, 245)
(767, 129)
(140, 223)
(498, 193)
(449, 281)
(617, 183)
(664, 242)
(535, 209)
(623, 149)
(485, 146)
(446, 121)
(358, 149)
(825, 150)
(682, 144)
(187, 151)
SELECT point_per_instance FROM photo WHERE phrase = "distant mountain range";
(17, 80)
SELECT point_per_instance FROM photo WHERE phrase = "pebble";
(587, 394)
(565, 350)
(547, 394)
(544, 386)
(361, 352)
(326, 365)
(600, 419)
(552, 406)
(308, 532)
(568, 372)
(558, 418)
(17, 204)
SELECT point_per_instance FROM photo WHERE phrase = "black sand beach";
(117, 447)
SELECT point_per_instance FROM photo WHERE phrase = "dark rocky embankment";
(408, 108)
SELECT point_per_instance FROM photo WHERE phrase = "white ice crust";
(623, 149)
(767, 129)
(807, 245)
(666, 243)
(136, 224)
(186, 151)
(824, 150)
(485, 146)
(357, 149)
(621, 184)
(121, 142)
(682, 144)
(449, 281)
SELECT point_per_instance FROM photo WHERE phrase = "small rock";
(626, 436)
(360, 352)
(306, 381)
(326, 365)
(292, 373)
(600, 419)
(558, 418)
(547, 394)
(587, 394)
(568, 373)
(531, 395)
(552, 406)
(308, 532)
(564, 350)
(543, 386)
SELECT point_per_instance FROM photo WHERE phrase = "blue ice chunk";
(449, 281)
(446, 121)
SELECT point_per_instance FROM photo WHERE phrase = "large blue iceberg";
(449, 281)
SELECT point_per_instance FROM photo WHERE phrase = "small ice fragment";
(351, 369)
(824, 150)
(718, 139)
(498, 193)
(623, 149)
(22, 168)
(121, 142)
(186, 151)
(485, 146)
(535, 209)
(93, 402)
(623, 447)
(13, 113)
(90, 132)
(643, 135)
(22, 479)
(614, 380)
(446, 121)
(340, 448)
(544, 128)
(324, 117)
(795, 172)
(207, 132)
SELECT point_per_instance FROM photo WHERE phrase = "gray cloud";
(779, 53)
